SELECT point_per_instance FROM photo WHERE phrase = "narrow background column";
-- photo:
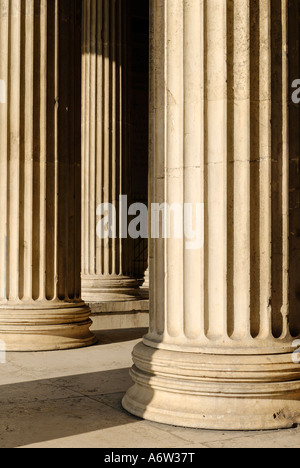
(219, 350)
(40, 303)
(107, 264)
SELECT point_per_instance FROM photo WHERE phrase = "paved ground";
(71, 399)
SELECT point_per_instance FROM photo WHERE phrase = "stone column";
(107, 264)
(146, 285)
(40, 304)
(224, 317)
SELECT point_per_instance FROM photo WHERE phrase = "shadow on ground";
(54, 408)
(45, 410)
(119, 336)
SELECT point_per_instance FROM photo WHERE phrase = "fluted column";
(224, 317)
(40, 304)
(107, 263)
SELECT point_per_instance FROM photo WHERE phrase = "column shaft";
(40, 303)
(107, 263)
(219, 350)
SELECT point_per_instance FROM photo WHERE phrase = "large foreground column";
(224, 317)
(40, 304)
(107, 263)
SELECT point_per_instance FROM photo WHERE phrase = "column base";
(218, 392)
(45, 329)
(109, 289)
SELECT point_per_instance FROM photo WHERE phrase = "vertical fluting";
(264, 166)
(173, 163)
(219, 126)
(294, 155)
(224, 312)
(156, 165)
(40, 165)
(239, 160)
(193, 163)
(216, 167)
(107, 268)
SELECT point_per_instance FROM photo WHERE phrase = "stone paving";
(71, 399)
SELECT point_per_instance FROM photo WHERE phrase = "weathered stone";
(40, 303)
(219, 353)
